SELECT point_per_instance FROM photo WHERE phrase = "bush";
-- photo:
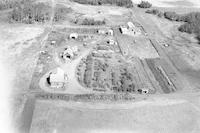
(192, 24)
(153, 11)
(173, 16)
(122, 3)
(186, 28)
(145, 4)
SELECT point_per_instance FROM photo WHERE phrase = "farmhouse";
(57, 78)
(130, 29)
(123, 29)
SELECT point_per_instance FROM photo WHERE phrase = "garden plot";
(105, 70)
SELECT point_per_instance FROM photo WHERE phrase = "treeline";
(145, 4)
(155, 12)
(88, 21)
(122, 3)
(192, 20)
(9, 4)
(60, 13)
(30, 13)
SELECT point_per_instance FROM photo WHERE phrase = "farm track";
(27, 114)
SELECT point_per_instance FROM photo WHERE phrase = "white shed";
(143, 90)
(73, 36)
(110, 32)
(130, 25)
(111, 42)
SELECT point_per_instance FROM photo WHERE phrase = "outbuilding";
(73, 36)
(111, 42)
(110, 32)
(100, 31)
(69, 52)
(130, 25)
(143, 90)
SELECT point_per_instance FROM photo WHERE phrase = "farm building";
(105, 31)
(57, 78)
(143, 90)
(130, 25)
(110, 32)
(130, 29)
(73, 36)
(69, 52)
(100, 31)
(111, 42)
(123, 29)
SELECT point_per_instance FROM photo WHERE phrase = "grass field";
(58, 116)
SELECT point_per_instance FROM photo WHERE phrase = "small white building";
(100, 31)
(73, 36)
(143, 90)
(130, 25)
(110, 32)
(111, 42)
(57, 78)
(53, 42)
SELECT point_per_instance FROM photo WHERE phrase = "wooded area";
(29, 13)
(122, 3)
(192, 20)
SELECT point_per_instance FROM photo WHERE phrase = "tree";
(145, 4)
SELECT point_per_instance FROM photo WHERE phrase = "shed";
(100, 31)
(110, 32)
(130, 25)
(73, 36)
(143, 90)
(111, 42)
(53, 42)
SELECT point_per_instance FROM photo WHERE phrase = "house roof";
(130, 25)
(57, 76)
(73, 35)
